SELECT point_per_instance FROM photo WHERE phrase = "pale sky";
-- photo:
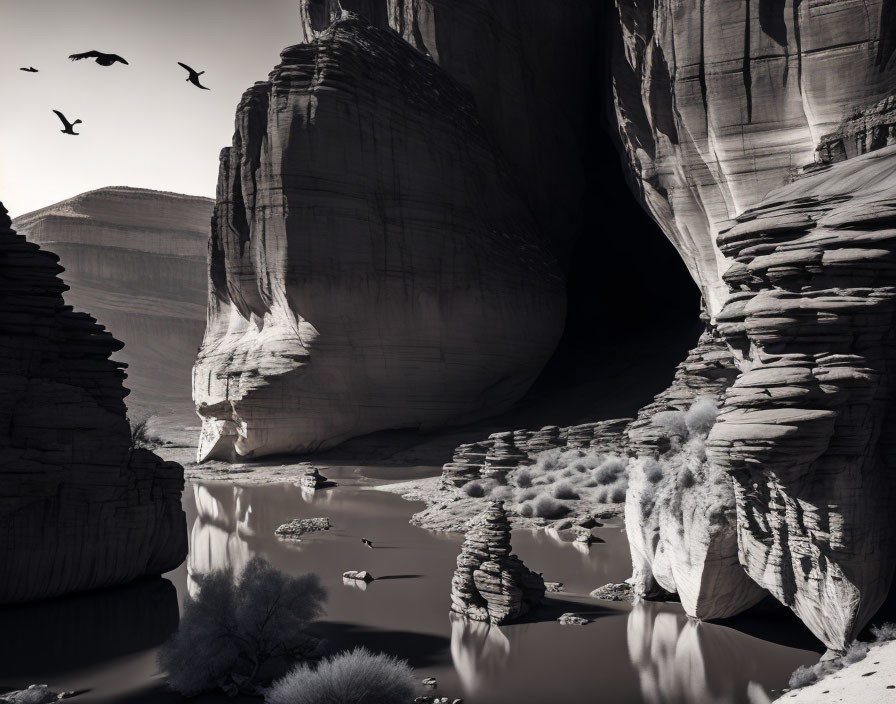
(143, 124)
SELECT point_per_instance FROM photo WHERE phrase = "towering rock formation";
(372, 263)
(135, 259)
(808, 428)
(79, 507)
(680, 510)
(719, 102)
(491, 584)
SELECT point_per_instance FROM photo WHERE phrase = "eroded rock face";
(79, 508)
(490, 583)
(718, 102)
(680, 509)
(372, 264)
(807, 429)
(135, 258)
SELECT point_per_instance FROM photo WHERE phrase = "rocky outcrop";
(80, 508)
(807, 429)
(490, 583)
(680, 510)
(866, 130)
(135, 259)
(372, 263)
(718, 102)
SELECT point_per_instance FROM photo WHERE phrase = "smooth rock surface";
(79, 507)
(717, 103)
(807, 429)
(372, 263)
(136, 259)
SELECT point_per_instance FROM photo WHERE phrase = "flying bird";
(367, 543)
(68, 125)
(101, 58)
(194, 76)
(30, 69)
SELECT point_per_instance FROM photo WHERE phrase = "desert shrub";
(527, 494)
(547, 507)
(884, 632)
(236, 634)
(474, 489)
(701, 416)
(501, 493)
(609, 471)
(356, 677)
(854, 653)
(617, 495)
(141, 437)
(526, 510)
(523, 479)
(672, 422)
(653, 470)
(565, 491)
(802, 676)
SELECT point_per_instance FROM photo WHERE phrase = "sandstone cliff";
(79, 507)
(718, 103)
(719, 108)
(372, 263)
(807, 428)
(135, 259)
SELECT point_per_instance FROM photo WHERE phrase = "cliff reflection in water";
(681, 660)
(479, 650)
(218, 539)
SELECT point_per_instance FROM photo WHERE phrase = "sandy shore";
(869, 681)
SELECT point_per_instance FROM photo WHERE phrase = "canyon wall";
(135, 259)
(718, 103)
(372, 263)
(80, 507)
(723, 111)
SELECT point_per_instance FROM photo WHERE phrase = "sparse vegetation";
(238, 633)
(141, 436)
(356, 677)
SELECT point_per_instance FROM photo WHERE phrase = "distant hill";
(135, 258)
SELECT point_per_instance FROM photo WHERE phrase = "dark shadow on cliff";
(81, 630)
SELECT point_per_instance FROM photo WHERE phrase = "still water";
(104, 644)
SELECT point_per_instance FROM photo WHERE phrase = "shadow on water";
(771, 621)
(552, 609)
(419, 649)
(83, 630)
(399, 576)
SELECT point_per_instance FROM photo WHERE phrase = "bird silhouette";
(101, 58)
(367, 543)
(30, 69)
(194, 76)
(68, 125)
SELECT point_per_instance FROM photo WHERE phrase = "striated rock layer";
(490, 583)
(79, 507)
(680, 513)
(135, 259)
(807, 430)
(372, 264)
(718, 102)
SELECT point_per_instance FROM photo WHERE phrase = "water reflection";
(218, 539)
(682, 660)
(479, 650)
